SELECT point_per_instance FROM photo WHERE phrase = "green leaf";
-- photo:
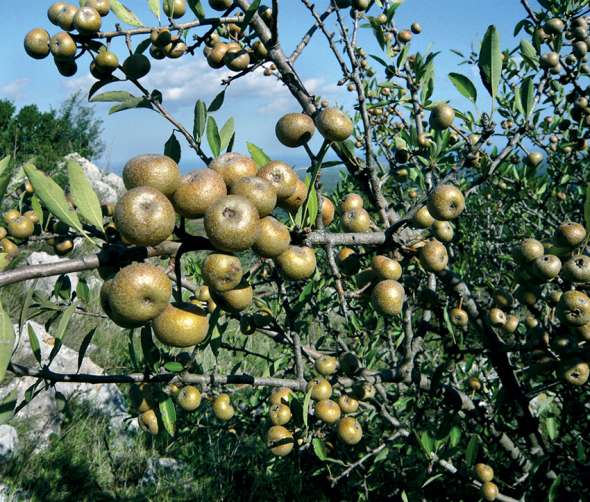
(464, 86)
(553, 494)
(4, 261)
(490, 61)
(200, 119)
(154, 6)
(306, 401)
(129, 104)
(62, 326)
(426, 441)
(528, 53)
(125, 14)
(5, 174)
(112, 97)
(226, 133)
(250, 13)
(552, 427)
(587, 209)
(174, 366)
(84, 196)
(197, 8)
(34, 341)
(7, 406)
(172, 148)
(258, 155)
(84, 346)
(7, 337)
(52, 195)
(213, 137)
(142, 46)
(517, 105)
(319, 449)
(168, 413)
(83, 291)
(471, 451)
(527, 96)
(217, 102)
(36, 206)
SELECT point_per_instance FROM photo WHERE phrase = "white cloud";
(14, 89)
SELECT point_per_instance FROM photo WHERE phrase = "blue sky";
(256, 102)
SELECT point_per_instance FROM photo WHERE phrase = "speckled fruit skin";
(231, 223)
(156, 171)
(279, 440)
(197, 191)
(334, 124)
(297, 263)
(258, 191)
(388, 297)
(181, 325)
(273, 238)
(295, 129)
(281, 176)
(233, 166)
(222, 272)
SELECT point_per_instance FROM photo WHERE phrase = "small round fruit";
(326, 365)
(9, 247)
(433, 256)
(231, 223)
(175, 8)
(350, 431)
(103, 7)
(66, 67)
(279, 440)
(160, 37)
(281, 176)
(62, 46)
(236, 58)
(328, 211)
(422, 218)
(235, 300)
(197, 191)
(416, 28)
(233, 166)
(574, 308)
(386, 268)
(388, 297)
(575, 371)
(3, 233)
(156, 171)
(443, 231)
(511, 324)
(279, 414)
(351, 201)
(327, 411)
(65, 16)
(295, 129)
(107, 61)
(497, 317)
(54, 11)
(215, 55)
(484, 472)
(489, 491)
(148, 421)
(297, 262)
(220, 5)
(296, 199)
(334, 124)
(404, 36)
(281, 396)
(320, 389)
(356, 220)
(189, 398)
(37, 43)
(222, 272)
(534, 159)
(21, 228)
(143, 397)
(441, 116)
(528, 250)
(222, 408)
(87, 20)
(550, 60)
(446, 202)
(474, 383)
(570, 234)
(257, 190)
(547, 267)
(144, 216)
(577, 269)
(273, 238)
(136, 66)
(348, 404)
(139, 292)
(459, 317)
(554, 26)
(181, 325)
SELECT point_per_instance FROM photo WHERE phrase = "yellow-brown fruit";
(350, 431)
(279, 440)
(144, 216)
(189, 398)
(489, 491)
(422, 218)
(496, 317)
(570, 234)
(233, 166)
(260, 50)
(327, 411)
(3, 233)
(388, 297)
(273, 238)
(181, 325)
(148, 421)
(441, 117)
(9, 247)
(87, 20)
(231, 223)
(66, 67)
(236, 58)
(326, 365)
(443, 231)
(295, 129)
(37, 43)
(175, 8)
(351, 201)
(139, 292)
(320, 389)
(533, 159)
(160, 37)
(546, 267)
(433, 256)
(459, 317)
(279, 414)
(101, 6)
(197, 191)
(577, 269)
(574, 371)
(143, 397)
(235, 300)
(386, 268)
(281, 396)
(258, 191)
(296, 199)
(511, 324)
(21, 228)
(503, 299)
(222, 272)
(574, 308)
(63, 246)
(297, 262)
(62, 46)
(11, 215)
(54, 11)
(348, 404)
(220, 5)
(328, 211)
(334, 124)
(484, 472)
(222, 408)
(356, 220)
(404, 36)
(152, 170)
(106, 61)
(446, 202)
(474, 383)
(216, 54)
(281, 176)
(528, 250)
(64, 15)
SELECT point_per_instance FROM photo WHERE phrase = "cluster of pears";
(552, 32)
(485, 474)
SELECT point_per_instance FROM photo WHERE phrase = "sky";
(256, 102)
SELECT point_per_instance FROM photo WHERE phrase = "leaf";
(130, 104)
(34, 341)
(7, 405)
(84, 346)
(527, 96)
(99, 84)
(84, 195)
(427, 442)
(168, 413)
(213, 137)
(217, 102)
(154, 6)
(62, 326)
(7, 338)
(142, 46)
(5, 175)
(306, 401)
(52, 195)
(552, 428)
(471, 451)
(587, 209)
(174, 366)
(455, 436)
(250, 13)
(36, 206)
(172, 148)
(464, 86)
(258, 155)
(319, 449)
(197, 8)
(553, 494)
(490, 61)
(125, 14)
(200, 119)
(83, 291)
(528, 53)
(226, 133)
